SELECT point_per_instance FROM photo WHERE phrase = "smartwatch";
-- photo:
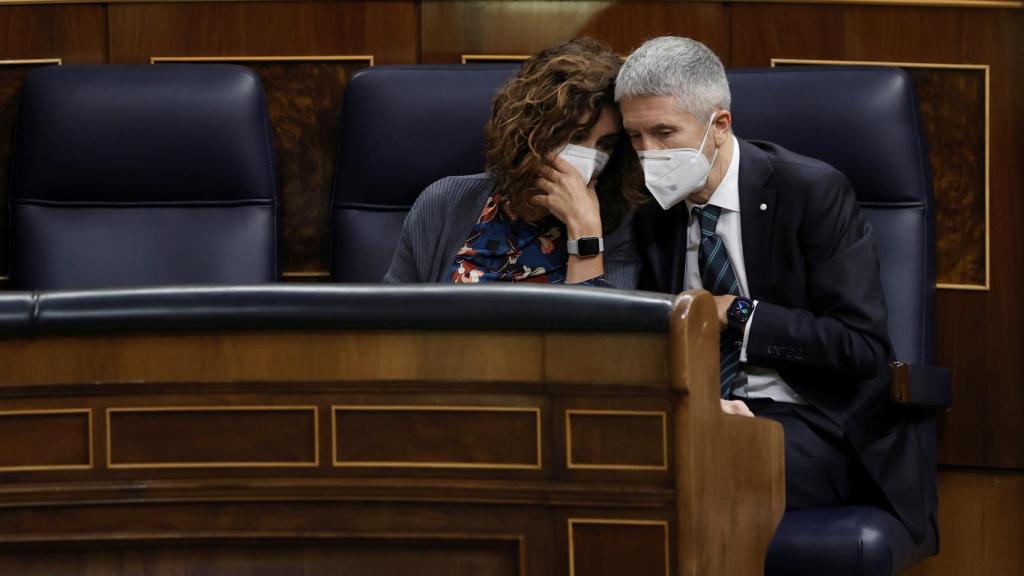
(586, 247)
(738, 314)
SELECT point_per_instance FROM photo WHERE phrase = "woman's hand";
(565, 195)
(571, 200)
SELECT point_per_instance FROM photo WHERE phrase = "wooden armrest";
(920, 386)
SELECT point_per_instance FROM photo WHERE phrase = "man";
(779, 240)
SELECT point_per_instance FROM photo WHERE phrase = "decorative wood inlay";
(45, 440)
(482, 437)
(616, 440)
(213, 437)
(599, 546)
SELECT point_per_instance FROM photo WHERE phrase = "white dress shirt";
(761, 382)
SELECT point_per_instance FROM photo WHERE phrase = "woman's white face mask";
(589, 162)
(672, 175)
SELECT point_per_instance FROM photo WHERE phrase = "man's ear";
(722, 127)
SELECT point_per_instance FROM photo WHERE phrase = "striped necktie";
(717, 277)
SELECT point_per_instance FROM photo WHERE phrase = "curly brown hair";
(558, 94)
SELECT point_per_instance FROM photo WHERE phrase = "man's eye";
(664, 133)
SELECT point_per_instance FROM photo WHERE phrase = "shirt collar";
(727, 195)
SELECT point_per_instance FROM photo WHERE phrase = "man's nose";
(647, 143)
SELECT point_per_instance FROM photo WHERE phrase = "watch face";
(588, 246)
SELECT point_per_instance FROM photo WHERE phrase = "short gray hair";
(680, 67)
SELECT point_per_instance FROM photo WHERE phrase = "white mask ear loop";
(706, 132)
(705, 139)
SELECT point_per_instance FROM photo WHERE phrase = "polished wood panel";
(981, 521)
(477, 437)
(616, 439)
(213, 437)
(641, 358)
(386, 30)
(275, 357)
(45, 440)
(980, 334)
(75, 34)
(220, 437)
(603, 546)
(308, 557)
(451, 29)
(709, 476)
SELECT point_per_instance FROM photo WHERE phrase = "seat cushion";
(843, 541)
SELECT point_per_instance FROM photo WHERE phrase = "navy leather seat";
(863, 121)
(142, 175)
(402, 128)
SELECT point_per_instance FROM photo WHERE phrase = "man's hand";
(723, 303)
(736, 407)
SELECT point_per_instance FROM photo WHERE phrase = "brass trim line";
(54, 467)
(57, 61)
(613, 521)
(988, 91)
(310, 274)
(368, 58)
(431, 408)
(188, 465)
(571, 465)
(481, 58)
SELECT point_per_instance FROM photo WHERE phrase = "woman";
(561, 183)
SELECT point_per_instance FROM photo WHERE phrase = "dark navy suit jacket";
(821, 315)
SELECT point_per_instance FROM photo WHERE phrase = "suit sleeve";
(844, 329)
(621, 260)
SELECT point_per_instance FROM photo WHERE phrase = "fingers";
(541, 201)
(556, 173)
(736, 407)
(561, 165)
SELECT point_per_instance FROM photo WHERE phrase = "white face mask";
(672, 175)
(589, 162)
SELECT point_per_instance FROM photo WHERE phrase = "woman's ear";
(722, 127)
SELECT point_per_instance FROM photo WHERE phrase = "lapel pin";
(764, 207)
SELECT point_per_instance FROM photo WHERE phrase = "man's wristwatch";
(585, 247)
(738, 314)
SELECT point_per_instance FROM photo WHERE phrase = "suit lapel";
(664, 241)
(756, 223)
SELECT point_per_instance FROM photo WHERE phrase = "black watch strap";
(738, 314)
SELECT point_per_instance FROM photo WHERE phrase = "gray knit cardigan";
(442, 218)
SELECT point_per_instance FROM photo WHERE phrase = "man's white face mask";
(672, 175)
(589, 162)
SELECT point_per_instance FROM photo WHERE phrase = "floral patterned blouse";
(500, 249)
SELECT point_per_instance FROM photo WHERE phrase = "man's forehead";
(650, 111)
